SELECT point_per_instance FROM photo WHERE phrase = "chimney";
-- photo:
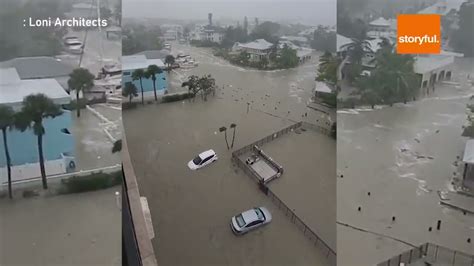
(209, 17)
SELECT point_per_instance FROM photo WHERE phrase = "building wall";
(23, 145)
(161, 82)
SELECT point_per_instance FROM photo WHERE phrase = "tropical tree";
(130, 91)
(35, 109)
(327, 69)
(169, 60)
(233, 126)
(288, 58)
(224, 129)
(206, 85)
(80, 80)
(139, 74)
(357, 49)
(6, 122)
(193, 85)
(152, 71)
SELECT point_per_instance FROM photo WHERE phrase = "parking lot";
(191, 210)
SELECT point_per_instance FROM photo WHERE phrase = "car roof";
(206, 154)
(250, 216)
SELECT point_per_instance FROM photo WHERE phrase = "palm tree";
(130, 91)
(6, 122)
(357, 49)
(152, 71)
(80, 80)
(35, 109)
(233, 134)
(169, 60)
(328, 65)
(224, 129)
(139, 74)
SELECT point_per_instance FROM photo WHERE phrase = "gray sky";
(312, 12)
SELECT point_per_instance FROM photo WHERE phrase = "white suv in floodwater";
(202, 160)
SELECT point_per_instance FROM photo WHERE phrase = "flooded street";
(409, 151)
(191, 210)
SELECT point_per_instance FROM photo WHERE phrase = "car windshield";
(197, 160)
(260, 214)
(240, 220)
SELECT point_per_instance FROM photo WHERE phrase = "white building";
(433, 68)
(257, 49)
(382, 27)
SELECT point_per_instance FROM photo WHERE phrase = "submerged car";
(249, 220)
(202, 160)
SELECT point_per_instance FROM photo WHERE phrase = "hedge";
(96, 181)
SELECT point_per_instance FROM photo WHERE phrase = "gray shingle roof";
(38, 67)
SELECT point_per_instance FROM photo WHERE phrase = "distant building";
(131, 63)
(58, 143)
(257, 49)
(155, 54)
(207, 32)
(297, 40)
(40, 67)
(442, 7)
(381, 27)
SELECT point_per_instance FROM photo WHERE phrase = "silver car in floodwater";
(249, 220)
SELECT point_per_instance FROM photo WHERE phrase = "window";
(207, 159)
(240, 220)
(260, 214)
(253, 223)
(197, 160)
(126, 73)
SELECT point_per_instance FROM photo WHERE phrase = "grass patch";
(96, 181)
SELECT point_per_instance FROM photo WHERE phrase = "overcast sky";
(311, 12)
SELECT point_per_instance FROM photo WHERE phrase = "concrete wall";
(23, 145)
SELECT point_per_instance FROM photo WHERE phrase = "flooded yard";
(392, 162)
(191, 210)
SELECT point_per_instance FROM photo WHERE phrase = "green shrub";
(176, 97)
(78, 184)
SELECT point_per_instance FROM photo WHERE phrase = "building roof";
(294, 38)
(341, 41)
(154, 54)
(259, 44)
(322, 87)
(13, 89)
(442, 7)
(139, 61)
(38, 67)
(425, 64)
(469, 152)
(380, 22)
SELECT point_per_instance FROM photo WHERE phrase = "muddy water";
(191, 209)
(408, 154)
